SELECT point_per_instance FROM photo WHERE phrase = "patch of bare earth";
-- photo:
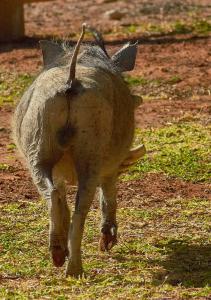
(153, 189)
(157, 113)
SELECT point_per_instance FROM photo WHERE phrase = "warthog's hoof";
(74, 270)
(58, 255)
(108, 238)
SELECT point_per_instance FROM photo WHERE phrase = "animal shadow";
(186, 264)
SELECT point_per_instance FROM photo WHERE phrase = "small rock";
(114, 14)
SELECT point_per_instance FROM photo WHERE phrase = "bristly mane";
(90, 56)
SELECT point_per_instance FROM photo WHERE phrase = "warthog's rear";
(79, 129)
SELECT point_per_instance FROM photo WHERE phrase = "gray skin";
(77, 128)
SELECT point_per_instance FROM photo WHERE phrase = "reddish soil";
(154, 188)
(158, 113)
(186, 56)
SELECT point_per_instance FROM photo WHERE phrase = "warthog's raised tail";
(65, 133)
(74, 56)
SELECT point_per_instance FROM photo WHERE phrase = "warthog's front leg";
(108, 208)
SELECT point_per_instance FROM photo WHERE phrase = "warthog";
(75, 123)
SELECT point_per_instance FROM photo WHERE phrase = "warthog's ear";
(125, 58)
(50, 51)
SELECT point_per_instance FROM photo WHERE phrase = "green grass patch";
(131, 28)
(155, 28)
(191, 25)
(174, 79)
(181, 27)
(12, 86)
(138, 80)
(180, 150)
(134, 81)
(11, 146)
(4, 167)
(167, 257)
(201, 26)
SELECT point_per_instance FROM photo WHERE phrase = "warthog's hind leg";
(58, 212)
(59, 225)
(86, 189)
(108, 208)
